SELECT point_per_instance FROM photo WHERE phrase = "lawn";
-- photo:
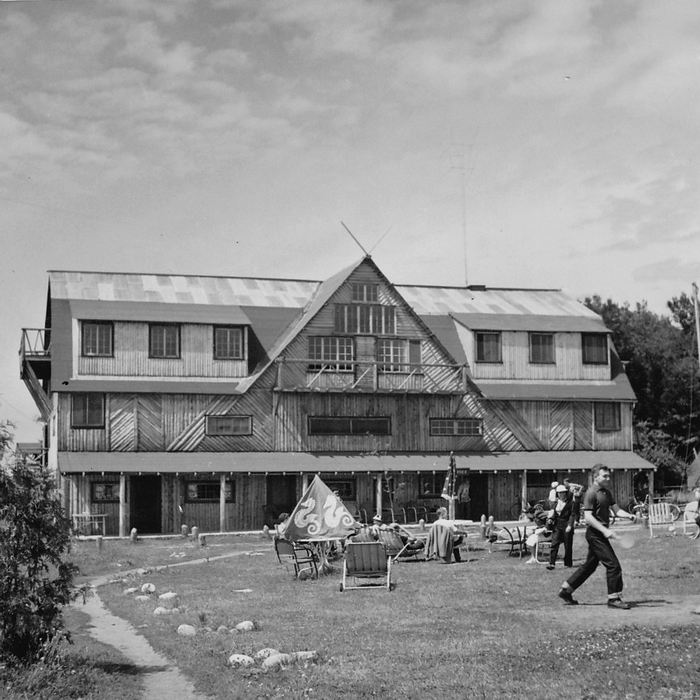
(489, 627)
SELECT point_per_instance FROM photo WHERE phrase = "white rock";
(129, 591)
(222, 629)
(169, 599)
(265, 653)
(148, 588)
(162, 611)
(186, 630)
(240, 660)
(276, 661)
(142, 598)
(143, 572)
(245, 626)
(305, 656)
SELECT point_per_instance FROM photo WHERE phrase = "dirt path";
(162, 680)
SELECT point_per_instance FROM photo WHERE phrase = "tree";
(35, 580)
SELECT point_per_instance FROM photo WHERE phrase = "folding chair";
(366, 560)
(660, 517)
(299, 556)
(396, 548)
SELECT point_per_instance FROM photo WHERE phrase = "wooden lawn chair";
(396, 548)
(660, 517)
(300, 557)
(366, 560)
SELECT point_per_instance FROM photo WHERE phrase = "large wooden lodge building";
(212, 401)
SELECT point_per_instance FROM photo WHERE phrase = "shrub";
(35, 579)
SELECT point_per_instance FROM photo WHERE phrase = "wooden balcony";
(35, 366)
(369, 376)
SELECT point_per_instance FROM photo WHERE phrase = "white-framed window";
(96, 338)
(364, 292)
(164, 340)
(594, 348)
(365, 319)
(87, 410)
(541, 348)
(208, 491)
(229, 425)
(398, 355)
(331, 353)
(457, 427)
(228, 343)
(607, 416)
(488, 346)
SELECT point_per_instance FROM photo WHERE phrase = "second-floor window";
(164, 341)
(542, 348)
(229, 425)
(330, 353)
(362, 291)
(607, 416)
(348, 425)
(365, 319)
(458, 427)
(87, 410)
(228, 343)
(594, 347)
(395, 355)
(96, 339)
(488, 346)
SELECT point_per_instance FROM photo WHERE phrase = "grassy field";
(490, 627)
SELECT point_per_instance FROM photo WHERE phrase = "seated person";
(412, 544)
(443, 540)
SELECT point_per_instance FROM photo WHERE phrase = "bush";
(35, 580)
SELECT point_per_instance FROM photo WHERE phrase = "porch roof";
(276, 462)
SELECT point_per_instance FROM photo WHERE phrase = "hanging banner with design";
(319, 515)
(449, 489)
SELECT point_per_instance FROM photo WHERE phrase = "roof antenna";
(355, 239)
(381, 238)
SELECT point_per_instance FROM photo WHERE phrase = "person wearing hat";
(376, 526)
(562, 519)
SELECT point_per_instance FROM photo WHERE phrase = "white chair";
(689, 515)
(661, 517)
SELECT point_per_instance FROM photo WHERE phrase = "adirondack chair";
(366, 561)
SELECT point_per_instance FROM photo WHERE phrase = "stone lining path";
(162, 680)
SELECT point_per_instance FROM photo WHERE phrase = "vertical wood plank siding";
(515, 364)
(131, 355)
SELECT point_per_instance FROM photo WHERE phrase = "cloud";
(680, 271)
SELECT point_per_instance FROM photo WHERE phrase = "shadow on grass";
(126, 669)
(649, 603)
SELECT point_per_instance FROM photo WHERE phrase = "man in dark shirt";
(597, 504)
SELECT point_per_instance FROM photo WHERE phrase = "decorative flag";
(319, 515)
(450, 487)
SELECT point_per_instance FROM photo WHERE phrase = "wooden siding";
(131, 355)
(515, 364)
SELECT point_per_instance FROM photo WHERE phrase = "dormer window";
(542, 348)
(228, 343)
(594, 348)
(488, 346)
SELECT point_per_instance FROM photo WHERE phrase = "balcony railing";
(368, 375)
(36, 343)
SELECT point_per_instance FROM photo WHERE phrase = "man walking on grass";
(597, 504)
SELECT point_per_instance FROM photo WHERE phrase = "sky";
(519, 143)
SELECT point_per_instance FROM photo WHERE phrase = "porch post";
(380, 476)
(651, 485)
(523, 490)
(222, 503)
(122, 505)
(304, 483)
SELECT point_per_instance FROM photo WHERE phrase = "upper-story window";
(228, 343)
(365, 292)
(97, 338)
(458, 427)
(607, 416)
(349, 425)
(229, 425)
(488, 346)
(164, 340)
(594, 348)
(365, 319)
(542, 348)
(87, 410)
(330, 353)
(397, 355)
